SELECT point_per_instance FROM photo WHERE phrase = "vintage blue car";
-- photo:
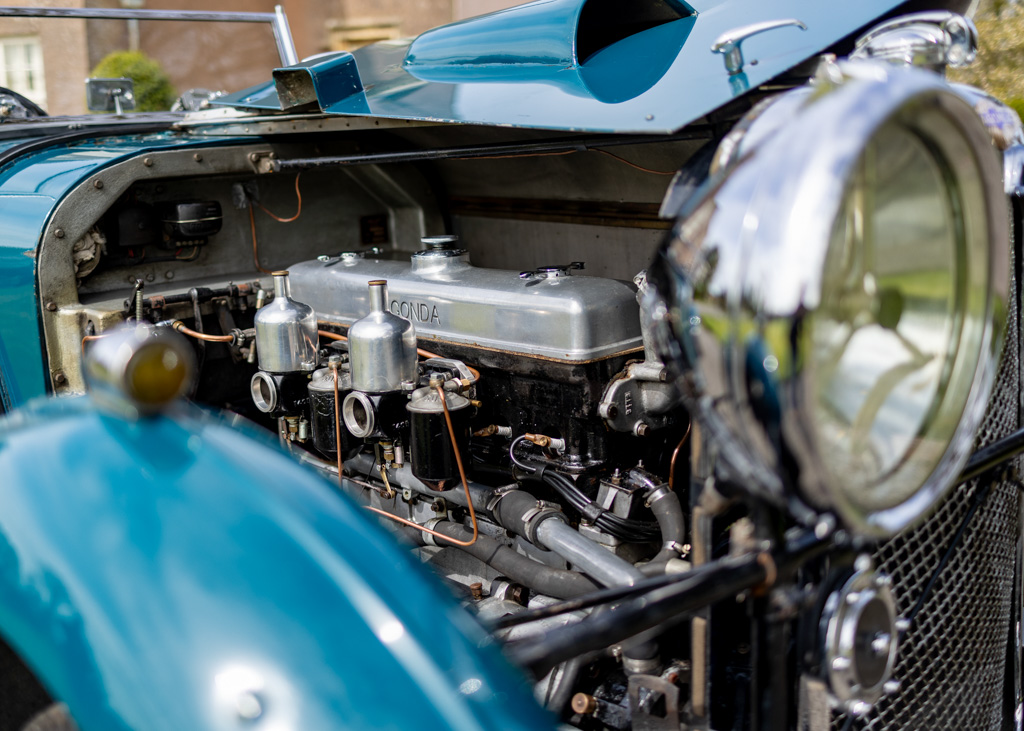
(593, 365)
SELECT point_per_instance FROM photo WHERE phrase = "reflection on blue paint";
(185, 571)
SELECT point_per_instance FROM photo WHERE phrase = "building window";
(21, 67)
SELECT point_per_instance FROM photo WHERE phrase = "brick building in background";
(48, 59)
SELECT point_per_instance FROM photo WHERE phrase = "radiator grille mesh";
(952, 662)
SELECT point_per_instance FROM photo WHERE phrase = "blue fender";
(176, 573)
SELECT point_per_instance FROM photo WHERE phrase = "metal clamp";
(657, 494)
(681, 548)
(536, 515)
(556, 270)
(497, 495)
(729, 42)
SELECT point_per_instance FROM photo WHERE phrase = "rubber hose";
(542, 579)
(669, 513)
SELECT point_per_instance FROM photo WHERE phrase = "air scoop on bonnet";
(548, 313)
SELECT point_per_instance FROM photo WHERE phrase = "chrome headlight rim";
(791, 229)
(976, 352)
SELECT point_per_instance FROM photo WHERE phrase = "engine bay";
(458, 344)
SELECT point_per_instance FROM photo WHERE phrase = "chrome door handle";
(729, 42)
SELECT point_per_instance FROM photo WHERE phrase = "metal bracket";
(644, 692)
(639, 399)
(729, 43)
(262, 161)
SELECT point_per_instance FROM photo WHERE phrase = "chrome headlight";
(839, 293)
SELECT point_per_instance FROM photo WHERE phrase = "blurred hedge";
(153, 90)
(999, 69)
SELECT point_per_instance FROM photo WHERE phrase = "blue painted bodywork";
(521, 67)
(152, 570)
(331, 79)
(30, 188)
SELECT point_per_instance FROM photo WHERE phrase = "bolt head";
(860, 708)
(97, 184)
(881, 644)
(862, 562)
(197, 157)
(59, 378)
(51, 306)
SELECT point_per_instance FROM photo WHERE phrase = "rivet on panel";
(147, 161)
(51, 306)
(197, 157)
(97, 184)
(59, 233)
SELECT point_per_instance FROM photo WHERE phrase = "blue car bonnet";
(590, 65)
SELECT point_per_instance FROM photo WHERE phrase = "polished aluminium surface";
(524, 67)
(751, 282)
(193, 563)
(263, 390)
(359, 414)
(861, 641)
(572, 318)
(591, 558)
(381, 345)
(286, 332)
(277, 20)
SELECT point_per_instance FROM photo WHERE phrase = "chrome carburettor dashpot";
(286, 332)
(381, 346)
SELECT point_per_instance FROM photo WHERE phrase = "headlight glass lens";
(155, 375)
(894, 345)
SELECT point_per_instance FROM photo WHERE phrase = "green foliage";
(1017, 105)
(153, 90)
(998, 69)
